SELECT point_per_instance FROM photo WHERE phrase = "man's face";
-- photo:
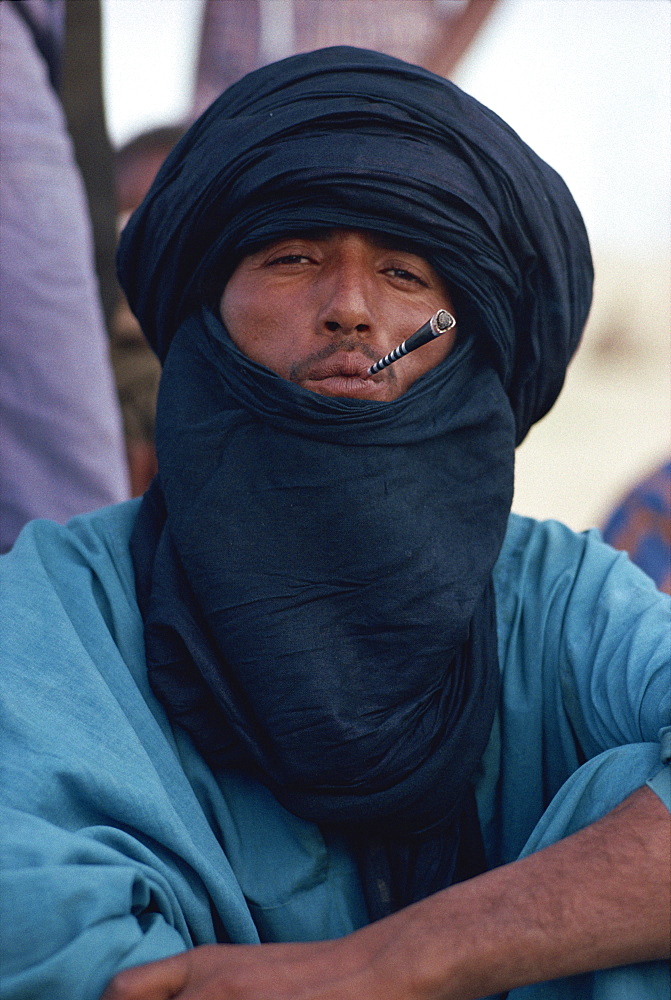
(320, 309)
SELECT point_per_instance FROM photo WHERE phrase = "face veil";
(315, 573)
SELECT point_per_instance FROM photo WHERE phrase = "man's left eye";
(400, 272)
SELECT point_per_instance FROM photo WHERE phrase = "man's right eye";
(289, 258)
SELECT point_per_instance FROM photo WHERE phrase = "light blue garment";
(120, 846)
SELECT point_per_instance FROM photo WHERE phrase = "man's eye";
(289, 258)
(400, 272)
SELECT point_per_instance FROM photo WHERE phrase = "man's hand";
(599, 898)
(329, 970)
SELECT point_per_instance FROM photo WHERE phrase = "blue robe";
(120, 846)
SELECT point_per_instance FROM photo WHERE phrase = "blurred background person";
(241, 36)
(61, 445)
(136, 367)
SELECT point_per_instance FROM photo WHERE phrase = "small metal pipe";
(440, 323)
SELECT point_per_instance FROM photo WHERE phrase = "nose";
(346, 301)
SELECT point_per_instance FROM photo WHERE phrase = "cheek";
(238, 309)
(443, 346)
(427, 357)
(256, 329)
(243, 315)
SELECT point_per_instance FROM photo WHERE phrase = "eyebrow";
(382, 240)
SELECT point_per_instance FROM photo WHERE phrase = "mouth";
(344, 374)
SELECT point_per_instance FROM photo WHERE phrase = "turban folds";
(315, 573)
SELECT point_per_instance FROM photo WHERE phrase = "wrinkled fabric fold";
(325, 566)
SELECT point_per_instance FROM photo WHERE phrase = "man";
(321, 689)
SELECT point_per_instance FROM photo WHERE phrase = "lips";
(345, 375)
(346, 366)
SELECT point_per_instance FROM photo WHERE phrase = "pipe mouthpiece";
(442, 321)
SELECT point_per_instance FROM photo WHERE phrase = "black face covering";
(318, 609)
(315, 573)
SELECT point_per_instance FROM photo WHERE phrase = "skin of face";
(320, 309)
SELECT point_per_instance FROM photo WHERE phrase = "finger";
(156, 981)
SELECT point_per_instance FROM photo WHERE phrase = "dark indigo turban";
(315, 573)
(344, 137)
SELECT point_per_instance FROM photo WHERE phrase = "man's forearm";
(596, 899)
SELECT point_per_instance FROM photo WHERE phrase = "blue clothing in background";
(641, 526)
(121, 847)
